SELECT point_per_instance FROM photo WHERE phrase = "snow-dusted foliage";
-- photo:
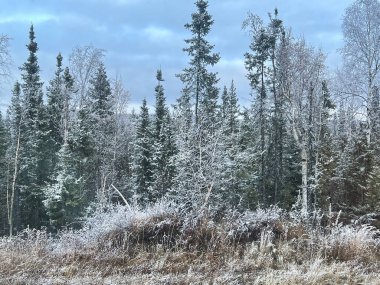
(278, 191)
(161, 242)
(251, 224)
(112, 228)
(350, 243)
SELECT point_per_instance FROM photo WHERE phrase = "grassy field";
(162, 245)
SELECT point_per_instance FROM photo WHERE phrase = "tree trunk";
(304, 159)
(13, 190)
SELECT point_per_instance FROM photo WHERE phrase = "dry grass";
(160, 245)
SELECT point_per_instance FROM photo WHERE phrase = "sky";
(141, 36)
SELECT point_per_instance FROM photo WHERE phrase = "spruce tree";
(102, 130)
(55, 107)
(143, 169)
(34, 170)
(64, 200)
(373, 195)
(231, 161)
(232, 111)
(198, 141)
(163, 144)
(326, 159)
(225, 103)
(160, 109)
(199, 83)
(353, 170)
(100, 95)
(256, 65)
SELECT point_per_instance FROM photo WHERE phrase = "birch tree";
(5, 57)
(14, 120)
(361, 52)
(306, 75)
(84, 62)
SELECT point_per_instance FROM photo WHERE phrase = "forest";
(305, 151)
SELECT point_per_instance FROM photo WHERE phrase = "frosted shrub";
(28, 240)
(249, 225)
(351, 243)
(114, 227)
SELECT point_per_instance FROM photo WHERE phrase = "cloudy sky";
(140, 36)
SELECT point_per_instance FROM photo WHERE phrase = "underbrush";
(163, 244)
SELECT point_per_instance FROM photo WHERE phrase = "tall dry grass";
(162, 244)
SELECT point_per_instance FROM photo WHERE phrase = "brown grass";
(174, 249)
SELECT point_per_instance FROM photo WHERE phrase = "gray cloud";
(143, 35)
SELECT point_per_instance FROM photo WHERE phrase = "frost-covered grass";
(162, 244)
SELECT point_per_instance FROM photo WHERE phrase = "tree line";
(308, 139)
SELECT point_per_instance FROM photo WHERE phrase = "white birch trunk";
(304, 159)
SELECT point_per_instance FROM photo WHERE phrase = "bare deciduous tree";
(361, 30)
(305, 75)
(5, 57)
(84, 62)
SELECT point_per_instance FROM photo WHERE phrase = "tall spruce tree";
(198, 141)
(64, 197)
(353, 170)
(55, 107)
(326, 157)
(160, 109)
(102, 131)
(163, 144)
(276, 32)
(230, 110)
(199, 83)
(256, 64)
(34, 170)
(231, 161)
(373, 195)
(143, 169)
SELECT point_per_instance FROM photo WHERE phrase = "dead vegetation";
(162, 245)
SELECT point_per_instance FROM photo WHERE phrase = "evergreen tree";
(67, 93)
(230, 110)
(55, 107)
(230, 143)
(160, 106)
(100, 95)
(353, 170)
(277, 135)
(373, 195)
(255, 63)
(326, 159)
(143, 169)
(102, 130)
(34, 170)
(225, 103)
(64, 200)
(92, 138)
(199, 83)
(163, 144)
(83, 146)
(199, 142)
(246, 171)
